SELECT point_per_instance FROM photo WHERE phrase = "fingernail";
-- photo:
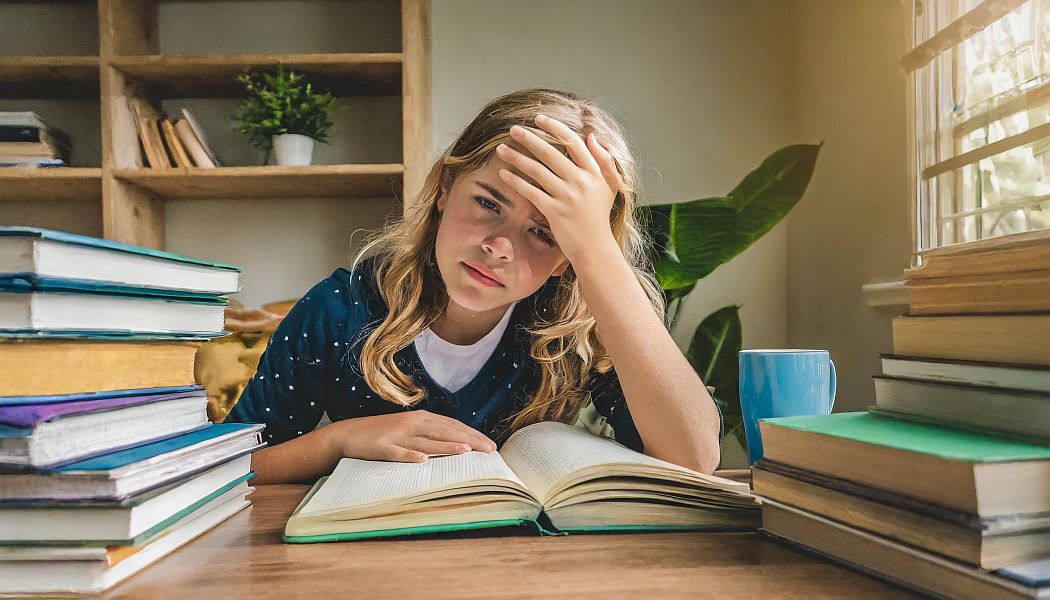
(541, 117)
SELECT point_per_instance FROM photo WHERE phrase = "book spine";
(11, 133)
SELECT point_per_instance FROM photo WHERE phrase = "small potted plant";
(284, 112)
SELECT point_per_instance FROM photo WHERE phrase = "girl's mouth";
(481, 277)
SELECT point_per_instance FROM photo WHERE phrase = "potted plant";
(283, 111)
(696, 237)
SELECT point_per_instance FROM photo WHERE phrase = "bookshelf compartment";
(325, 181)
(214, 76)
(53, 29)
(49, 77)
(35, 185)
(277, 26)
(78, 118)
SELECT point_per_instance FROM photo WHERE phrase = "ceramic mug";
(783, 383)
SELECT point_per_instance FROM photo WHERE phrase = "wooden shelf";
(49, 77)
(62, 183)
(320, 181)
(213, 76)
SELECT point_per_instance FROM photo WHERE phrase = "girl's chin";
(479, 300)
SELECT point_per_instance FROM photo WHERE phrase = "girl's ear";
(442, 197)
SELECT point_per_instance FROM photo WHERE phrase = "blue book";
(133, 471)
(45, 259)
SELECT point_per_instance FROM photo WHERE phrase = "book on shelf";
(898, 563)
(965, 471)
(989, 543)
(30, 162)
(1018, 338)
(124, 473)
(80, 569)
(45, 436)
(997, 258)
(198, 134)
(988, 409)
(34, 134)
(579, 481)
(990, 374)
(126, 522)
(33, 150)
(147, 119)
(51, 367)
(192, 144)
(175, 148)
(35, 254)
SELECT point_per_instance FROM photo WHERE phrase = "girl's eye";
(543, 235)
(486, 203)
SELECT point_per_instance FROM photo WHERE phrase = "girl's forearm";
(673, 411)
(301, 460)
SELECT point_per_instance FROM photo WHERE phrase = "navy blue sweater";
(312, 365)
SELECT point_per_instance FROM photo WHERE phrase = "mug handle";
(834, 383)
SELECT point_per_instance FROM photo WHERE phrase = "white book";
(74, 483)
(84, 569)
(120, 523)
(62, 440)
(67, 311)
(64, 256)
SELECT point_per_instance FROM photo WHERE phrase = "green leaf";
(707, 233)
(713, 355)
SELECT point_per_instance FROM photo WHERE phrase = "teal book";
(37, 258)
(975, 473)
(551, 477)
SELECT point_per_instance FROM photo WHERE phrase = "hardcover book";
(578, 481)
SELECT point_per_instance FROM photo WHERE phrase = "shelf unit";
(130, 64)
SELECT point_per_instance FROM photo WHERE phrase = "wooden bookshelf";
(214, 76)
(36, 185)
(49, 76)
(130, 64)
(321, 181)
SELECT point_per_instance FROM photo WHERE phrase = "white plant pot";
(293, 149)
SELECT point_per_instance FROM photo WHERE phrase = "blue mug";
(783, 383)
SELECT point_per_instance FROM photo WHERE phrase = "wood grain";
(245, 558)
(49, 77)
(319, 181)
(31, 185)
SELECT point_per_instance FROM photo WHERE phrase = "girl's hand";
(576, 196)
(410, 436)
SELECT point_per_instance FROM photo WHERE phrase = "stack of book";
(168, 143)
(107, 459)
(944, 485)
(27, 142)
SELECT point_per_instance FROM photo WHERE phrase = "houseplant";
(696, 237)
(283, 111)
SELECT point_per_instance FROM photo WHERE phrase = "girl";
(513, 291)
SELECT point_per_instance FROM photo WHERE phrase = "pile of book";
(168, 143)
(107, 459)
(944, 485)
(26, 141)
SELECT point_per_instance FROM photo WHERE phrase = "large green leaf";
(713, 355)
(706, 233)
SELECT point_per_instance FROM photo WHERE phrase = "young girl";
(513, 291)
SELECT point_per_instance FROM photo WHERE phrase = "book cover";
(27, 283)
(84, 240)
(27, 416)
(102, 395)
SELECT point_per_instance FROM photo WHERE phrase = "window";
(981, 102)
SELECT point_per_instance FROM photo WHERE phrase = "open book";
(580, 481)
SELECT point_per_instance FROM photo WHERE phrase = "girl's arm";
(672, 410)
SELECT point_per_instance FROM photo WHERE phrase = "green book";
(971, 472)
(552, 477)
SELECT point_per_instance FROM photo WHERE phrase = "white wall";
(699, 86)
(852, 227)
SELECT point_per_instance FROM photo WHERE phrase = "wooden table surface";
(244, 557)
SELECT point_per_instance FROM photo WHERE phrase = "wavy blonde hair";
(565, 341)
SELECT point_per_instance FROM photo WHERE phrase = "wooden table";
(244, 557)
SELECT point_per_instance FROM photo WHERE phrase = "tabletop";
(244, 557)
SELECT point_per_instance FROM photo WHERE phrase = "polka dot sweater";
(312, 365)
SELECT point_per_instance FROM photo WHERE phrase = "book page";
(356, 482)
(544, 452)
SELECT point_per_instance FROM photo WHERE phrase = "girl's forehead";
(487, 178)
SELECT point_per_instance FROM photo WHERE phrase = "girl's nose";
(499, 247)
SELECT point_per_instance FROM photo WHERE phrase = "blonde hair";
(565, 340)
